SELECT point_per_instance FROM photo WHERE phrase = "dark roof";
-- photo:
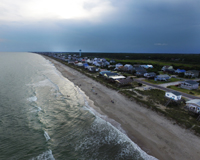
(176, 93)
(152, 73)
(103, 72)
(124, 81)
(191, 82)
(111, 74)
(140, 69)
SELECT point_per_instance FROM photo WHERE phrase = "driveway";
(167, 89)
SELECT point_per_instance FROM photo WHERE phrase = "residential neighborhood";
(122, 74)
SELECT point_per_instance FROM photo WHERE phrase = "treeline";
(179, 58)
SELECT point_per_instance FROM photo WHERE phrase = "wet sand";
(155, 134)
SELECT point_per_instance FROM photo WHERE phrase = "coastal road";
(166, 89)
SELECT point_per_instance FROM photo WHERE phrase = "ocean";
(44, 116)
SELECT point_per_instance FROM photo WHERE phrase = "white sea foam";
(36, 109)
(114, 132)
(32, 99)
(42, 83)
(46, 136)
(44, 156)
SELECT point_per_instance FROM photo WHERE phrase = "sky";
(134, 26)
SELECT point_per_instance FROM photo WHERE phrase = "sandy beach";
(155, 134)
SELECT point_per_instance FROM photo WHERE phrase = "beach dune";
(155, 134)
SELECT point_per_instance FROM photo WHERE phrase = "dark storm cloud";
(134, 26)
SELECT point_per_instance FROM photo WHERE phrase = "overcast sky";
(139, 26)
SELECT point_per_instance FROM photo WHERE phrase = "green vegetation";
(161, 82)
(192, 92)
(174, 110)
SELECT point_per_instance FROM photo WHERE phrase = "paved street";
(166, 89)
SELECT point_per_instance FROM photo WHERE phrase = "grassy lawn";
(192, 92)
(161, 82)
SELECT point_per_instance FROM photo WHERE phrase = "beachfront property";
(162, 77)
(103, 72)
(108, 75)
(189, 85)
(115, 78)
(173, 95)
(123, 82)
(85, 65)
(150, 75)
(192, 73)
(93, 69)
(80, 64)
(193, 106)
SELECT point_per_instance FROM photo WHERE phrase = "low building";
(150, 75)
(192, 73)
(123, 82)
(112, 61)
(164, 68)
(114, 78)
(110, 74)
(118, 65)
(193, 106)
(173, 95)
(140, 71)
(146, 66)
(189, 85)
(103, 72)
(79, 64)
(180, 71)
(93, 69)
(162, 77)
(128, 67)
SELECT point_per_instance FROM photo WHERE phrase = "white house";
(190, 84)
(128, 67)
(173, 95)
(118, 65)
(193, 105)
(162, 77)
(150, 75)
(146, 66)
(79, 64)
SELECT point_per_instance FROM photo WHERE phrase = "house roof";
(180, 70)
(176, 93)
(195, 101)
(108, 74)
(103, 72)
(118, 77)
(163, 76)
(140, 69)
(191, 82)
(193, 71)
(124, 81)
(151, 73)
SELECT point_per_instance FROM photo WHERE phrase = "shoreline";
(153, 133)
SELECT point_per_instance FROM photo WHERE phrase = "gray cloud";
(134, 26)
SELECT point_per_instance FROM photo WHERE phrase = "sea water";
(44, 116)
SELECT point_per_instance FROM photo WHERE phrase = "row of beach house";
(94, 65)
